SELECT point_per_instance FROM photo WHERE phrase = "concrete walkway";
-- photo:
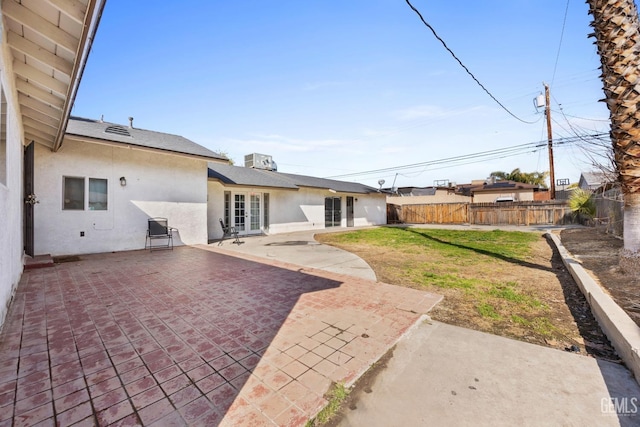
(443, 375)
(302, 249)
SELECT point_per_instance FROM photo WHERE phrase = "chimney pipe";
(131, 122)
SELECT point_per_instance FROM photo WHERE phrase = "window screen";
(73, 197)
(97, 194)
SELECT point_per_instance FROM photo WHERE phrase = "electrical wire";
(564, 23)
(464, 66)
(561, 111)
(483, 156)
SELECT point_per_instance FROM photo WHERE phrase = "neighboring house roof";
(592, 180)
(265, 178)
(487, 187)
(505, 185)
(417, 191)
(131, 136)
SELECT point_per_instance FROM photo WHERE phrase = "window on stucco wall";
(227, 208)
(73, 197)
(74, 194)
(265, 220)
(97, 194)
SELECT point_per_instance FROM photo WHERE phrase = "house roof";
(593, 179)
(505, 185)
(469, 189)
(228, 174)
(416, 191)
(49, 43)
(131, 136)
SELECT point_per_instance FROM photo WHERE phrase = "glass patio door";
(255, 210)
(247, 217)
(239, 212)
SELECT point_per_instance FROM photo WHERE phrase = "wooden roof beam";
(41, 118)
(37, 23)
(29, 73)
(72, 8)
(39, 106)
(39, 94)
(39, 54)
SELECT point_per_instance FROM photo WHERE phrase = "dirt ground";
(599, 254)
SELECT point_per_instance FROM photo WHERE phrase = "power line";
(464, 66)
(474, 157)
(564, 23)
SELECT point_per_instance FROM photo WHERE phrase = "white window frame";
(86, 195)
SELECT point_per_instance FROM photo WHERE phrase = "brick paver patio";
(190, 337)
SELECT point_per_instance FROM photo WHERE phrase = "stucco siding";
(11, 202)
(157, 185)
(297, 210)
(490, 197)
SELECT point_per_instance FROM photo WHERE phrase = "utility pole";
(547, 110)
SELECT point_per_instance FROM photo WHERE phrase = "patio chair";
(228, 232)
(159, 230)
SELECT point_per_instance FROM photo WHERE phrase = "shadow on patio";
(190, 337)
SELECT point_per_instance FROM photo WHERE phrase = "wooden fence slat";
(513, 213)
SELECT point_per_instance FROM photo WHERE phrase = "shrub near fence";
(515, 213)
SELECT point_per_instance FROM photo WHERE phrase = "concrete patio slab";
(301, 248)
(444, 375)
(190, 337)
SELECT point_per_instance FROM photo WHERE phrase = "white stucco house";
(44, 46)
(98, 190)
(255, 201)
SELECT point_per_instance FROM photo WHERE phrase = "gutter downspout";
(94, 11)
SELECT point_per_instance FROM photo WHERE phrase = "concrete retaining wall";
(621, 330)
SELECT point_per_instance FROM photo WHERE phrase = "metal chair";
(228, 232)
(159, 230)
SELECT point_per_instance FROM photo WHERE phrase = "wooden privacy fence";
(514, 213)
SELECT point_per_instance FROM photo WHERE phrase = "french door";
(247, 213)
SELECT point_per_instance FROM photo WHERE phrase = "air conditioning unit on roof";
(260, 161)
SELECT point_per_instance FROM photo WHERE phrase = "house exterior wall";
(11, 193)
(298, 210)
(157, 185)
(491, 196)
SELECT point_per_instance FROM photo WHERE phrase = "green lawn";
(489, 278)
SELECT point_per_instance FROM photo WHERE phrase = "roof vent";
(117, 130)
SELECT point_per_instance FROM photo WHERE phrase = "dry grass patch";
(502, 282)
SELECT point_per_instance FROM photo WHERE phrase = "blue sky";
(331, 88)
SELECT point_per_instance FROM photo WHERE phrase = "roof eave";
(235, 185)
(92, 19)
(92, 140)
